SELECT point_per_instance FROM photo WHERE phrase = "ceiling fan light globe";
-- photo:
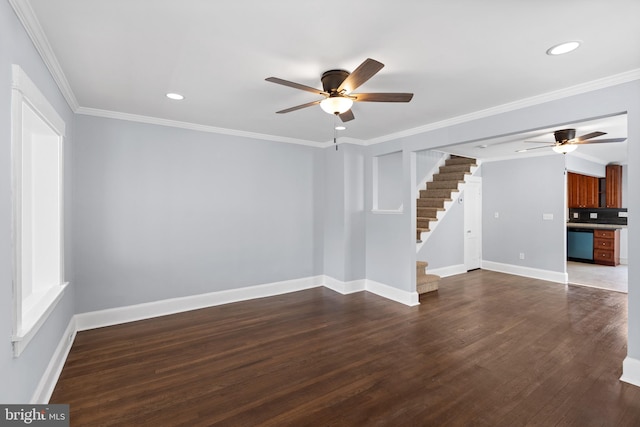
(564, 148)
(336, 104)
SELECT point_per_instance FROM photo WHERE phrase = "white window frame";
(31, 312)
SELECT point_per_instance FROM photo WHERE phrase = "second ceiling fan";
(566, 140)
(338, 87)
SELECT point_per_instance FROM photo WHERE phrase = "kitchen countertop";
(594, 226)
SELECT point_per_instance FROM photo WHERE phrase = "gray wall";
(343, 213)
(20, 376)
(521, 191)
(445, 245)
(389, 179)
(164, 212)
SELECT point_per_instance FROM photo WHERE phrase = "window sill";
(35, 317)
(387, 211)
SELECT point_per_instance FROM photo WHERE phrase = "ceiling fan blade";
(364, 72)
(296, 85)
(589, 136)
(382, 97)
(598, 141)
(298, 107)
(347, 116)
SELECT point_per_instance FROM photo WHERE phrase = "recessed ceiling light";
(341, 127)
(175, 96)
(563, 48)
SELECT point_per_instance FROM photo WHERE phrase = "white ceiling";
(115, 57)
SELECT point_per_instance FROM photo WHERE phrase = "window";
(37, 142)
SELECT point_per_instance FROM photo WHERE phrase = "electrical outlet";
(521, 255)
(576, 215)
(593, 215)
(547, 216)
(496, 215)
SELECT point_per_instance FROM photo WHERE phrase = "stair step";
(453, 176)
(424, 222)
(437, 203)
(427, 212)
(427, 283)
(458, 160)
(435, 185)
(436, 194)
(419, 231)
(465, 167)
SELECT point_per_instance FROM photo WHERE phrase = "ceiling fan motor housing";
(564, 135)
(332, 79)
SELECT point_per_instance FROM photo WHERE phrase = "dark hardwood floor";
(487, 349)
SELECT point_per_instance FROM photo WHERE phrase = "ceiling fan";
(566, 141)
(338, 87)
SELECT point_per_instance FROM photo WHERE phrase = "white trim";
(132, 313)
(344, 288)
(578, 89)
(47, 383)
(22, 337)
(631, 371)
(392, 293)
(518, 270)
(398, 211)
(450, 270)
(31, 24)
(27, 322)
(193, 126)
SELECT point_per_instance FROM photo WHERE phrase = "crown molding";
(30, 22)
(578, 89)
(193, 126)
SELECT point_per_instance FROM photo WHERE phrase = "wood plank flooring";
(486, 349)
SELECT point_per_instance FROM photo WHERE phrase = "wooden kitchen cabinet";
(582, 191)
(606, 247)
(613, 194)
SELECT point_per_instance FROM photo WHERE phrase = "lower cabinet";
(606, 247)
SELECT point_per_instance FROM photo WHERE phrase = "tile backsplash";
(598, 215)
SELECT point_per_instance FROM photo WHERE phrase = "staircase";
(431, 201)
(425, 282)
(439, 189)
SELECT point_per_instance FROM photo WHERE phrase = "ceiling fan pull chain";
(335, 131)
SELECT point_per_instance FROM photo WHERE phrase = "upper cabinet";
(582, 190)
(614, 186)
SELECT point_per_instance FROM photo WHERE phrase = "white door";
(472, 223)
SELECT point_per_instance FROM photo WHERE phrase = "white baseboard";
(451, 270)
(344, 288)
(394, 294)
(47, 383)
(132, 313)
(380, 289)
(518, 270)
(631, 371)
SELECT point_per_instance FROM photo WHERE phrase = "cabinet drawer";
(603, 256)
(599, 243)
(604, 234)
